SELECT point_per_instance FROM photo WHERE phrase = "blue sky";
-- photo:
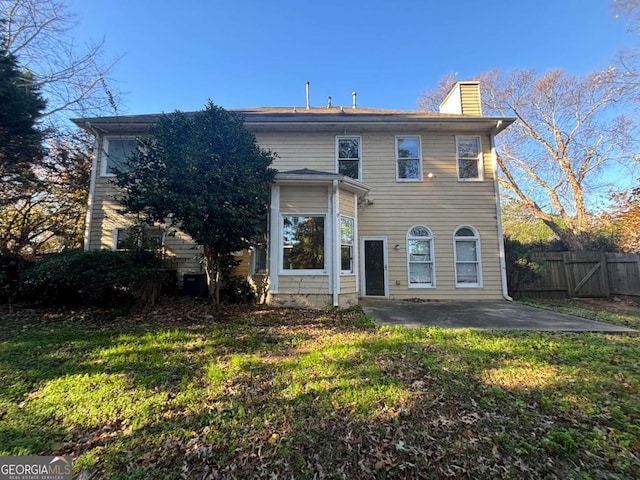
(249, 53)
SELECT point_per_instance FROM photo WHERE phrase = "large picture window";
(469, 158)
(116, 151)
(348, 156)
(467, 257)
(408, 159)
(420, 257)
(303, 242)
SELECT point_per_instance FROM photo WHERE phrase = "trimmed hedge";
(92, 278)
(12, 267)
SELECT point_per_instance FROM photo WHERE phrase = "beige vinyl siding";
(303, 199)
(181, 253)
(347, 203)
(442, 203)
(304, 284)
(463, 99)
(348, 284)
(470, 98)
(243, 268)
(315, 151)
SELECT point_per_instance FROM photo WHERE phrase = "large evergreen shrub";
(92, 278)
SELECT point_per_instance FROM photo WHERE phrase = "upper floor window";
(303, 243)
(420, 256)
(408, 159)
(116, 151)
(346, 244)
(467, 257)
(348, 156)
(469, 155)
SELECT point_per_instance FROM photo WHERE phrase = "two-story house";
(367, 202)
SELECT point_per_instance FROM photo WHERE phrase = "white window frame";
(344, 137)
(420, 176)
(352, 271)
(479, 159)
(105, 151)
(316, 271)
(431, 254)
(476, 238)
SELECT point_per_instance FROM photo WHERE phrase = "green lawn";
(179, 390)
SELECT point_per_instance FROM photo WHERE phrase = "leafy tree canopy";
(20, 138)
(205, 174)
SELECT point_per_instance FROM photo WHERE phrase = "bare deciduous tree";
(72, 77)
(628, 10)
(569, 129)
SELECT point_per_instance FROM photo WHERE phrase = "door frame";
(363, 278)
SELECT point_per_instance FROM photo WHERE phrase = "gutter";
(503, 263)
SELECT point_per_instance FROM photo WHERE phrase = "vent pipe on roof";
(307, 88)
(328, 102)
(354, 95)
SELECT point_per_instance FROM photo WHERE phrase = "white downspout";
(503, 263)
(92, 188)
(275, 245)
(335, 243)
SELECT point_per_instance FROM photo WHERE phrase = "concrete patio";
(489, 315)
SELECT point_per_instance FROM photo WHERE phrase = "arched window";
(420, 257)
(467, 257)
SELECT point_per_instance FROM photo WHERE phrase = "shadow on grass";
(312, 399)
(386, 408)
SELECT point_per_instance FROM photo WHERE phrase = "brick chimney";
(463, 99)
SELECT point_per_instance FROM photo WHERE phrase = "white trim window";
(303, 243)
(469, 159)
(408, 159)
(349, 156)
(468, 268)
(115, 151)
(347, 235)
(420, 264)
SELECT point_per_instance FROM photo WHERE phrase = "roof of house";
(291, 118)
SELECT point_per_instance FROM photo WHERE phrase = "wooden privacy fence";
(585, 274)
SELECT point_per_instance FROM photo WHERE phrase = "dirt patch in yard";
(613, 304)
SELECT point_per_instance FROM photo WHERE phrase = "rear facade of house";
(367, 203)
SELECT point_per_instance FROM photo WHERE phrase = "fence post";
(604, 266)
(566, 256)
